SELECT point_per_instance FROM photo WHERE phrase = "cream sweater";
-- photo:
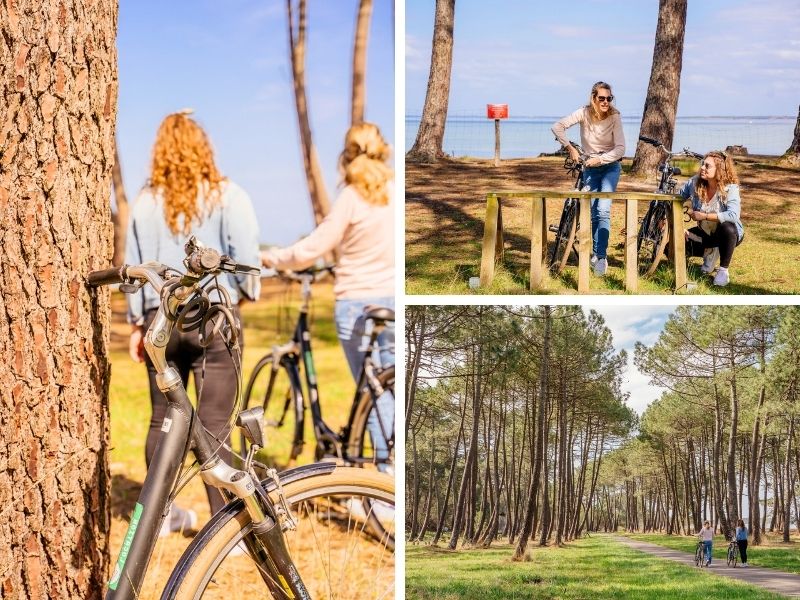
(603, 139)
(363, 234)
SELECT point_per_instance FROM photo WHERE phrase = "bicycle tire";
(314, 492)
(283, 422)
(565, 236)
(698, 557)
(652, 240)
(732, 557)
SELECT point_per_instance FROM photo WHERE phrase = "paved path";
(787, 584)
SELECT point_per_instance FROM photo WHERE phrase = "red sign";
(497, 111)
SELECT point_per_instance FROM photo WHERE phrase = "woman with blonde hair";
(603, 140)
(716, 206)
(187, 195)
(360, 227)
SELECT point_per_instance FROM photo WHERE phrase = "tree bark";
(57, 118)
(661, 103)
(428, 145)
(320, 202)
(792, 155)
(360, 62)
(119, 218)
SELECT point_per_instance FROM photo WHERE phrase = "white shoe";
(710, 260)
(178, 519)
(721, 278)
(600, 267)
(593, 260)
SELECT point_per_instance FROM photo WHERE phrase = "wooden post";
(537, 242)
(497, 142)
(490, 227)
(544, 229)
(584, 245)
(678, 246)
(631, 258)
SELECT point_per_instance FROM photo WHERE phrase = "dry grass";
(446, 204)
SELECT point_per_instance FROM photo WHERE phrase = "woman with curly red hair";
(187, 195)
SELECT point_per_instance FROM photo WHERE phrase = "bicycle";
(699, 555)
(567, 228)
(733, 553)
(284, 399)
(264, 539)
(653, 236)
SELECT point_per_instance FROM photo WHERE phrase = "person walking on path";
(706, 535)
(603, 140)
(741, 541)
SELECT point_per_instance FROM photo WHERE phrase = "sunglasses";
(604, 98)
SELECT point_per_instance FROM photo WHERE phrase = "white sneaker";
(721, 278)
(178, 519)
(600, 267)
(593, 260)
(710, 260)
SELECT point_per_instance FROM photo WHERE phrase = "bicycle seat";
(379, 313)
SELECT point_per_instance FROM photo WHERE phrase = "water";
(472, 135)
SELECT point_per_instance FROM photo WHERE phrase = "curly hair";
(363, 163)
(592, 106)
(182, 170)
(725, 175)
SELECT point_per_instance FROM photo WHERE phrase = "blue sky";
(741, 58)
(629, 325)
(229, 61)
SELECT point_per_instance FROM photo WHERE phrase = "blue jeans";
(601, 179)
(707, 548)
(351, 329)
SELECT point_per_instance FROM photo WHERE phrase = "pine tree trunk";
(661, 103)
(428, 145)
(320, 203)
(360, 62)
(57, 119)
(792, 155)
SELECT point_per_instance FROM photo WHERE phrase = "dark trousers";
(216, 399)
(742, 549)
(725, 237)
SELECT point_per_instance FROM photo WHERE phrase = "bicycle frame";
(182, 432)
(289, 356)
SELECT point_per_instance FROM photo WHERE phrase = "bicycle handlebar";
(649, 140)
(310, 275)
(106, 276)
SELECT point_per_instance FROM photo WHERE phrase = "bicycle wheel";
(698, 557)
(279, 391)
(565, 236)
(332, 554)
(652, 240)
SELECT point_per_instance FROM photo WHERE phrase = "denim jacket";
(231, 228)
(731, 206)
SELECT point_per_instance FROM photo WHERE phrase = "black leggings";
(725, 237)
(742, 549)
(185, 354)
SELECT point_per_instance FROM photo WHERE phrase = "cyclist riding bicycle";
(360, 227)
(603, 139)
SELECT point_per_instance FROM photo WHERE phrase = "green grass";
(773, 554)
(596, 568)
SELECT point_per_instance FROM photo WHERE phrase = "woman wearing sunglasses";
(603, 140)
(714, 193)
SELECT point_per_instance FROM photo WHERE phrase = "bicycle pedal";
(553, 228)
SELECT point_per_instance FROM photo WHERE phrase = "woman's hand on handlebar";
(593, 162)
(266, 259)
(573, 153)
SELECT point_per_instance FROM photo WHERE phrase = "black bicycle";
(733, 553)
(275, 385)
(299, 534)
(567, 228)
(653, 235)
(699, 555)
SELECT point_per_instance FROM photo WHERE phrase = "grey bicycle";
(303, 533)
